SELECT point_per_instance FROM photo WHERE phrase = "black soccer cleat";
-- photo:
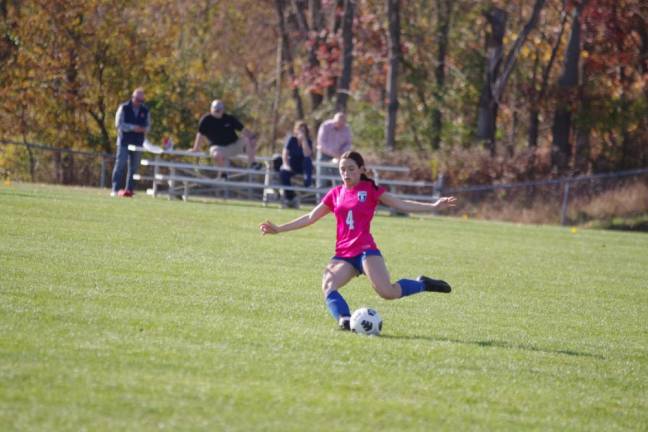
(345, 323)
(434, 285)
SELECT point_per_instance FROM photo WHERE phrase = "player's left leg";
(435, 285)
(376, 270)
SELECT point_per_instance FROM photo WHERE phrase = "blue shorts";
(357, 260)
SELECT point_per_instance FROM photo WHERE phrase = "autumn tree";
(344, 84)
(393, 15)
(443, 19)
(61, 85)
(567, 82)
(545, 54)
(287, 57)
(498, 69)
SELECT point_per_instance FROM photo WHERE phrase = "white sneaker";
(113, 194)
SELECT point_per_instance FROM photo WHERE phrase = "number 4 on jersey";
(349, 220)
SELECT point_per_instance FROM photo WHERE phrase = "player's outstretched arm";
(407, 206)
(316, 214)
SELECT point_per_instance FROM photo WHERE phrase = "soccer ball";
(366, 321)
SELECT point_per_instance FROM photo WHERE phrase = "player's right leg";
(337, 274)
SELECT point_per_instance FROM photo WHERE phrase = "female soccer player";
(354, 204)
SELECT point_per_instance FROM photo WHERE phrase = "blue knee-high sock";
(409, 287)
(337, 306)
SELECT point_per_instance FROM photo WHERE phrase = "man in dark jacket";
(133, 122)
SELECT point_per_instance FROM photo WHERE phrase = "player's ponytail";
(357, 158)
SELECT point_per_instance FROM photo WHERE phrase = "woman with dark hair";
(296, 159)
(354, 204)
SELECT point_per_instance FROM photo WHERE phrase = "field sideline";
(145, 314)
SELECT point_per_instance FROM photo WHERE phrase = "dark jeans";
(285, 177)
(123, 160)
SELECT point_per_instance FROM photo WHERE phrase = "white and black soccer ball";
(366, 321)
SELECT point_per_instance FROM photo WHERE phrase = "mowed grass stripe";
(146, 314)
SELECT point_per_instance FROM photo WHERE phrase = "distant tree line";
(564, 80)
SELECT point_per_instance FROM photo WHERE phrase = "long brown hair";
(301, 124)
(358, 159)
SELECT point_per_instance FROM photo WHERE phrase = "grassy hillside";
(147, 314)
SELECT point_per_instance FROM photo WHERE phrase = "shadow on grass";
(494, 344)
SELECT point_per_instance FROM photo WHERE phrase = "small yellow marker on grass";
(573, 230)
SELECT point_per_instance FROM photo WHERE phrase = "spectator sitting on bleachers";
(220, 130)
(296, 159)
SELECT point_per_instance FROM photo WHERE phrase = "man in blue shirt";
(133, 121)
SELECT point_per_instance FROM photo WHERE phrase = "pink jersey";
(354, 208)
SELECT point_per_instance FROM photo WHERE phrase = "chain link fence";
(36, 163)
(567, 201)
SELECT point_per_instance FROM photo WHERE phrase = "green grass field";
(148, 314)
